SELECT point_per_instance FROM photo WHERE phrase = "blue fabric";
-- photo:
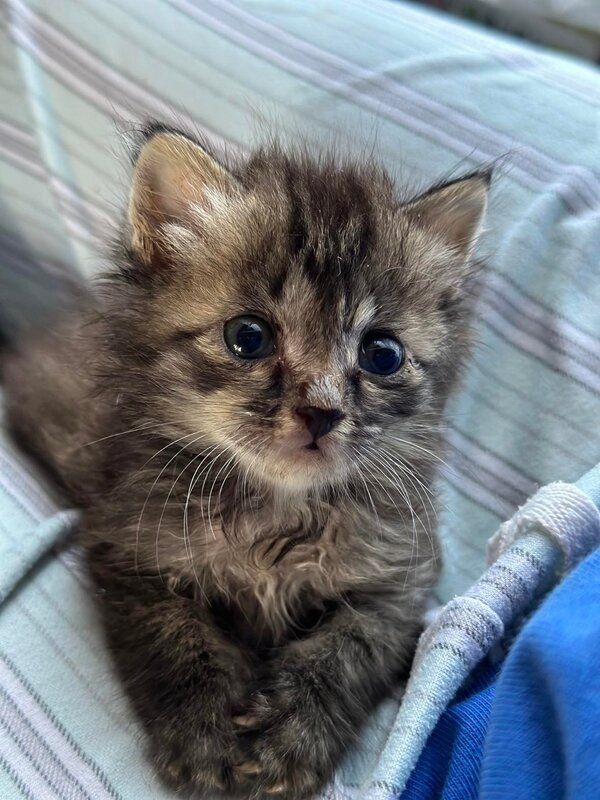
(450, 763)
(550, 534)
(541, 712)
(544, 726)
(590, 484)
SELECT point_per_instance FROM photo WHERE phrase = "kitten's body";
(243, 573)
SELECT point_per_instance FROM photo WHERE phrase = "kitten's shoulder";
(48, 382)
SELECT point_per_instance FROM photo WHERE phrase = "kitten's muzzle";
(319, 421)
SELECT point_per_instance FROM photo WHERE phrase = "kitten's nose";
(319, 421)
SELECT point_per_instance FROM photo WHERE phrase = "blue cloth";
(450, 763)
(549, 535)
(590, 484)
(545, 720)
(541, 712)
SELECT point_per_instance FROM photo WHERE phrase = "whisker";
(376, 456)
(425, 450)
(138, 528)
(144, 427)
(409, 474)
(168, 497)
(231, 461)
(361, 476)
(192, 484)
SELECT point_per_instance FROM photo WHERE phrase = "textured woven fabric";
(535, 717)
(563, 513)
(450, 765)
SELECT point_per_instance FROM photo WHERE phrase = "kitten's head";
(291, 312)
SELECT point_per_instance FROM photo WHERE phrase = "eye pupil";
(384, 358)
(381, 354)
(249, 337)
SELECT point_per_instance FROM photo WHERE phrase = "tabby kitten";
(248, 416)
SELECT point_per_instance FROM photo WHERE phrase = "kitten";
(248, 417)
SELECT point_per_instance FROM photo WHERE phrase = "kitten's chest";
(278, 577)
(280, 561)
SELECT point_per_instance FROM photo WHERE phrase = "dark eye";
(380, 354)
(249, 337)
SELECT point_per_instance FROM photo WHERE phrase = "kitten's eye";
(249, 337)
(380, 354)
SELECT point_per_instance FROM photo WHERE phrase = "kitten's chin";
(304, 469)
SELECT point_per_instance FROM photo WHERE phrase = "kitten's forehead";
(320, 273)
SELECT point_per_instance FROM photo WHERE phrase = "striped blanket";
(434, 97)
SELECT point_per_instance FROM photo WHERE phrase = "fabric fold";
(548, 535)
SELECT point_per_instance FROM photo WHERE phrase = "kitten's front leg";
(318, 693)
(185, 679)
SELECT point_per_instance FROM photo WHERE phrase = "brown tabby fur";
(260, 598)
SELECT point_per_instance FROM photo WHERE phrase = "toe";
(276, 789)
(248, 769)
(246, 720)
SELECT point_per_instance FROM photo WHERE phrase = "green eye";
(249, 337)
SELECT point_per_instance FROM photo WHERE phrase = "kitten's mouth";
(310, 455)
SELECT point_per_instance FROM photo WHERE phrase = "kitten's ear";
(455, 211)
(173, 177)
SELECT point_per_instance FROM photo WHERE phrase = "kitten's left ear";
(173, 178)
(454, 211)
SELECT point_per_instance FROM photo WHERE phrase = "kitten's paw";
(287, 735)
(198, 766)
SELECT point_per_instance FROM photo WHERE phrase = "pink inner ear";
(171, 176)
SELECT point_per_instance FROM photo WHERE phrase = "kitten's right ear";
(173, 178)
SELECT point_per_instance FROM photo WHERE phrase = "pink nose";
(319, 421)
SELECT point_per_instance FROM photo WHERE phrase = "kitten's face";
(305, 322)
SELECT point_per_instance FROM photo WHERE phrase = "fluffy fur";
(260, 597)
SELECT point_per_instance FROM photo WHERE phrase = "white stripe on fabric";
(567, 333)
(18, 782)
(464, 483)
(22, 767)
(28, 491)
(475, 40)
(485, 479)
(38, 752)
(497, 466)
(81, 217)
(106, 88)
(577, 186)
(540, 348)
(65, 756)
